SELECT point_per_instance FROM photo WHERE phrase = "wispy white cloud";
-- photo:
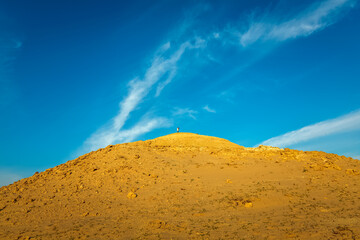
(314, 18)
(346, 123)
(196, 43)
(163, 84)
(342, 143)
(269, 29)
(138, 89)
(161, 71)
(146, 124)
(185, 111)
(208, 109)
(227, 95)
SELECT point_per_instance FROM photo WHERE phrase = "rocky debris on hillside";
(187, 186)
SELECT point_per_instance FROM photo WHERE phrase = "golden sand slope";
(187, 186)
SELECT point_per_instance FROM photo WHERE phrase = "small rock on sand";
(131, 195)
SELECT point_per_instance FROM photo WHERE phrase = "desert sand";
(187, 186)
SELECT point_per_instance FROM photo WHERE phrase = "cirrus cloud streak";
(314, 18)
(346, 123)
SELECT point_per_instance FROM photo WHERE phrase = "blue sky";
(79, 75)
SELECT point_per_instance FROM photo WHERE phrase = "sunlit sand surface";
(187, 186)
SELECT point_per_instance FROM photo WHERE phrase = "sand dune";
(187, 186)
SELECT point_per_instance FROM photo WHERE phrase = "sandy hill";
(187, 186)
